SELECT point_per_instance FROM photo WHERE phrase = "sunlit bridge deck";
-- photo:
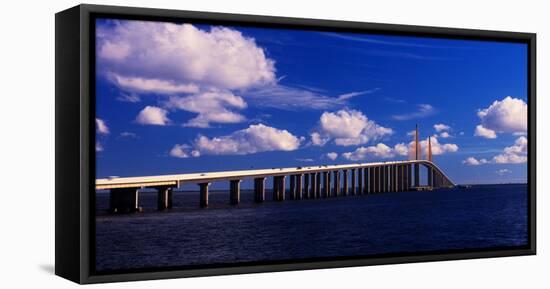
(308, 182)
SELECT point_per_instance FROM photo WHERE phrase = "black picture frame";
(75, 140)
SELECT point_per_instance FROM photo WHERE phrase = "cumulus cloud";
(152, 115)
(423, 110)
(471, 161)
(149, 53)
(213, 106)
(347, 127)
(362, 153)
(101, 127)
(505, 116)
(254, 139)
(484, 132)
(441, 127)
(148, 85)
(180, 151)
(332, 155)
(515, 154)
(444, 135)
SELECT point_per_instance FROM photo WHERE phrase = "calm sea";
(479, 217)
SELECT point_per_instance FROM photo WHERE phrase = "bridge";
(312, 182)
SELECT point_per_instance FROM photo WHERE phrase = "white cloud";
(441, 127)
(411, 133)
(98, 147)
(101, 127)
(506, 116)
(148, 85)
(318, 140)
(484, 132)
(182, 55)
(305, 160)
(502, 172)
(180, 151)
(362, 153)
(437, 147)
(291, 98)
(349, 95)
(444, 135)
(401, 149)
(212, 106)
(347, 127)
(332, 155)
(514, 154)
(254, 139)
(152, 115)
(423, 110)
(471, 161)
(129, 97)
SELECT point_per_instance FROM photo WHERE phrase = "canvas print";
(223, 145)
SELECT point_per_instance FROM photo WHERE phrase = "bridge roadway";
(305, 182)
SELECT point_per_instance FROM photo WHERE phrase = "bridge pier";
(299, 187)
(336, 192)
(430, 177)
(345, 189)
(234, 192)
(372, 177)
(279, 188)
(386, 177)
(318, 185)
(353, 182)
(359, 181)
(164, 198)
(204, 194)
(292, 187)
(366, 180)
(416, 175)
(409, 177)
(259, 190)
(124, 200)
(306, 188)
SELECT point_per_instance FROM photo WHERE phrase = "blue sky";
(177, 98)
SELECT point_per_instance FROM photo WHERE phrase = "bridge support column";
(353, 182)
(336, 183)
(376, 180)
(234, 192)
(366, 180)
(385, 179)
(394, 178)
(279, 188)
(306, 186)
(359, 181)
(416, 175)
(298, 187)
(318, 185)
(401, 178)
(204, 194)
(164, 198)
(372, 181)
(430, 177)
(124, 200)
(292, 188)
(259, 190)
(409, 177)
(326, 184)
(346, 179)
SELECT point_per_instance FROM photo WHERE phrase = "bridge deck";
(175, 180)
